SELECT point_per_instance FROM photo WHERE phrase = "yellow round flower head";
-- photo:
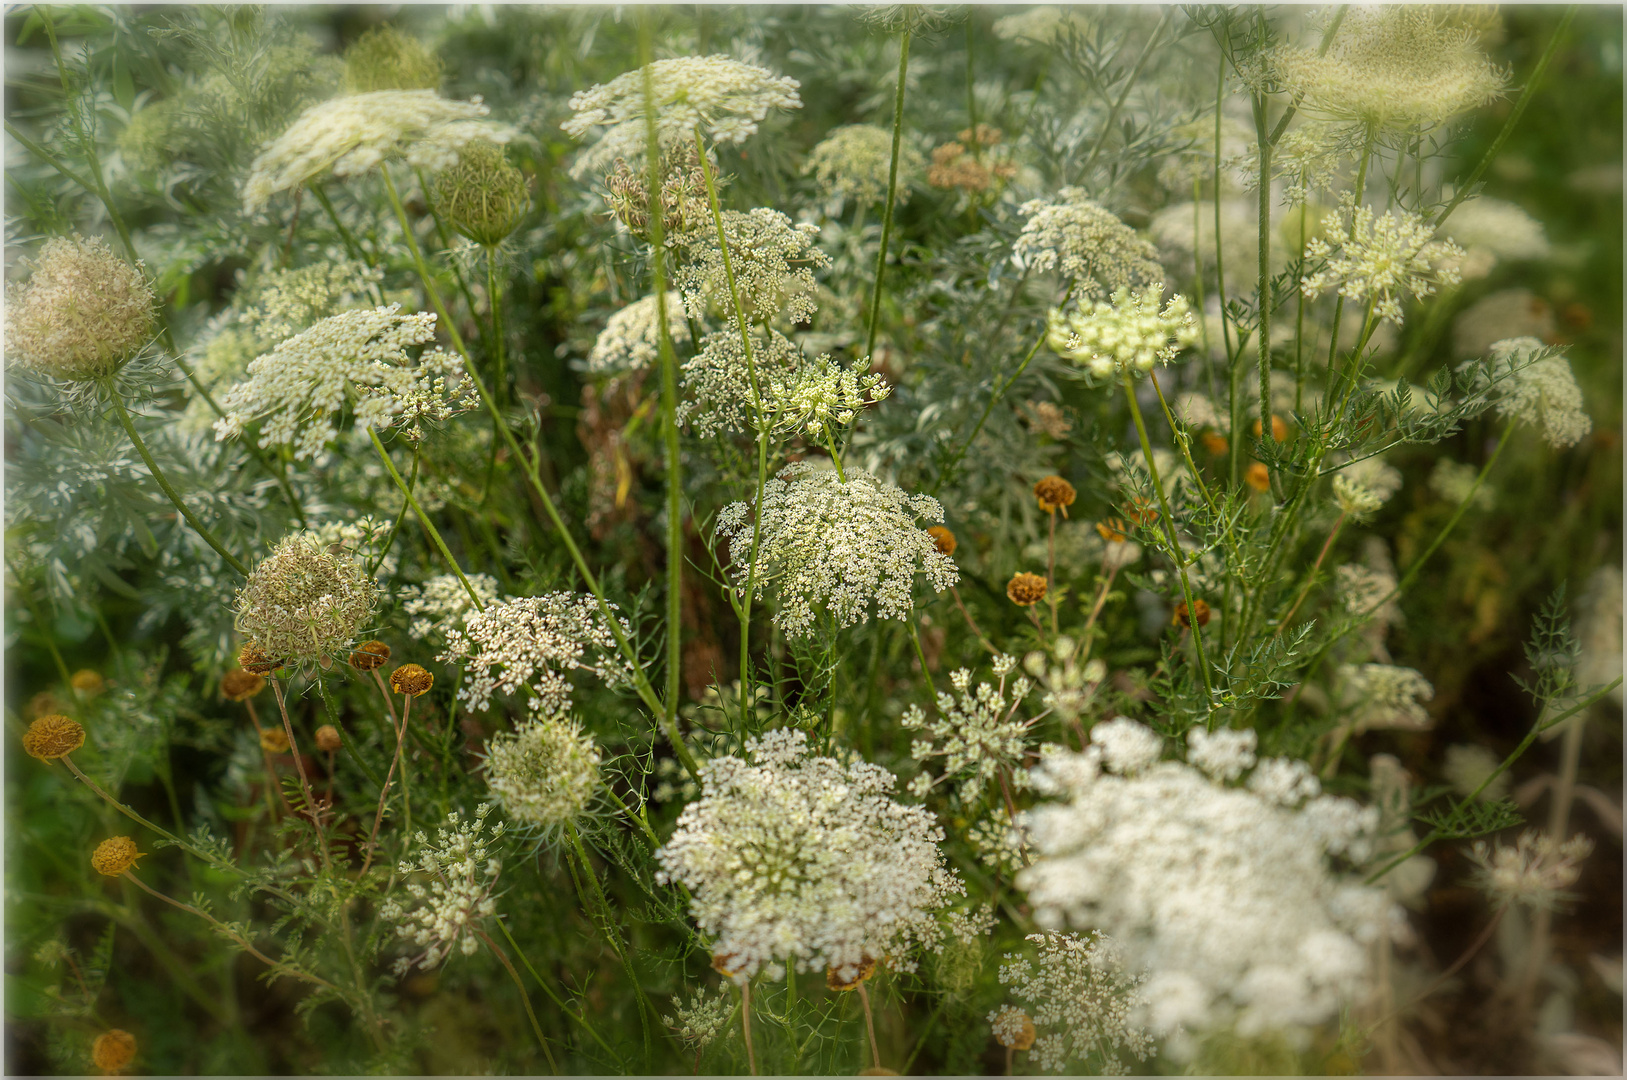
(1054, 493)
(88, 682)
(370, 656)
(53, 736)
(113, 1050)
(240, 685)
(115, 855)
(274, 740)
(411, 680)
(1026, 590)
(327, 738)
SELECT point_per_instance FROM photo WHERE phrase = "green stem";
(525, 998)
(333, 216)
(830, 444)
(496, 301)
(1265, 299)
(423, 518)
(581, 1020)
(389, 541)
(39, 623)
(1169, 531)
(1110, 124)
(607, 926)
(892, 191)
(163, 481)
(915, 638)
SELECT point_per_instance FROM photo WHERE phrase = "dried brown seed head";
(1026, 590)
(370, 656)
(53, 736)
(240, 685)
(411, 680)
(327, 738)
(114, 856)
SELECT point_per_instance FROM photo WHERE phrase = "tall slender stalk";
(525, 998)
(423, 519)
(892, 190)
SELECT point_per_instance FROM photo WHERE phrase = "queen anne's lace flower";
(355, 134)
(300, 388)
(703, 1017)
(1535, 872)
(631, 338)
(979, 736)
(1221, 894)
(1092, 248)
(1535, 386)
(716, 381)
(81, 312)
(1491, 231)
(439, 604)
(853, 164)
(1365, 486)
(1224, 754)
(822, 392)
(1384, 697)
(304, 602)
(1380, 259)
(1400, 66)
(462, 876)
(1083, 1000)
(536, 641)
(544, 773)
(773, 263)
(803, 860)
(721, 98)
(844, 546)
(1127, 333)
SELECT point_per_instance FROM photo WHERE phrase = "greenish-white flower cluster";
(462, 872)
(81, 313)
(1081, 238)
(1363, 487)
(820, 392)
(1534, 385)
(544, 773)
(531, 644)
(1082, 1002)
(979, 735)
(299, 390)
(631, 338)
(304, 602)
(853, 163)
(1384, 697)
(848, 547)
(1380, 259)
(807, 861)
(1125, 334)
(773, 263)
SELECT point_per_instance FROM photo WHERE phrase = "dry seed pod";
(370, 656)
(1026, 590)
(943, 539)
(54, 736)
(411, 680)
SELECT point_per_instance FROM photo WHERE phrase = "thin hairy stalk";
(581, 1020)
(757, 411)
(1220, 279)
(607, 926)
(452, 263)
(954, 590)
(40, 623)
(1299, 320)
(1184, 445)
(304, 781)
(1513, 116)
(1310, 579)
(1197, 282)
(641, 683)
(745, 1027)
(1442, 979)
(1095, 613)
(351, 248)
(1111, 123)
(423, 519)
(892, 191)
(1169, 531)
(495, 298)
(869, 1026)
(836, 458)
(163, 481)
(525, 998)
(1508, 762)
(389, 707)
(241, 941)
(915, 638)
(395, 526)
(384, 792)
(1559, 810)
(1261, 107)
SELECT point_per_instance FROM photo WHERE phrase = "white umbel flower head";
(355, 134)
(1362, 488)
(631, 338)
(846, 547)
(1222, 895)
(1399, 67)
(853, 163)
(1535, 386)
(1383, 697)
(1535, 871)
(462, 873)
(773, 262)
(980, 736)
(440, 603)
(300, 388)
(719, 97)
(1492, 231)
(1081, 238)
(1223, 754)
(304, 602)
(1126, 333)
(806, 861)
(544, 773)
(1082, 1000)
(81, 313)
(1381, 259)
(821, 393)
(531, 644)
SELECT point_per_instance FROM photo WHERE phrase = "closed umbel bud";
(113, 1050)
(1201, 607)
(386, 59)
(483, 196)
(114, 856)
(256, 661)
(411, 680)
(327, 738)
(370, 656)
(1026, 590)
(54, 736)
(943, 539)
(1053, 494)
(240, 685)
(81, 314)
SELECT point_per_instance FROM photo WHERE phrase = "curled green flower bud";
(483, 196)
(386, 59)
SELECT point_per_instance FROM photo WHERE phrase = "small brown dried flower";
(943, 539)
(327, 738)
(240, 685)
(54, 736)
(1026, 590)
(88, 682)
(115, 855)
(274, 740)
(1013, 1028)
(370, 656)
(1182, 618)
(1279, 429)
(1258, 477)
(256, 661)
(113, 1050)
(411, 680)
(1053, 494)
(848, 976)
(1114, 530)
